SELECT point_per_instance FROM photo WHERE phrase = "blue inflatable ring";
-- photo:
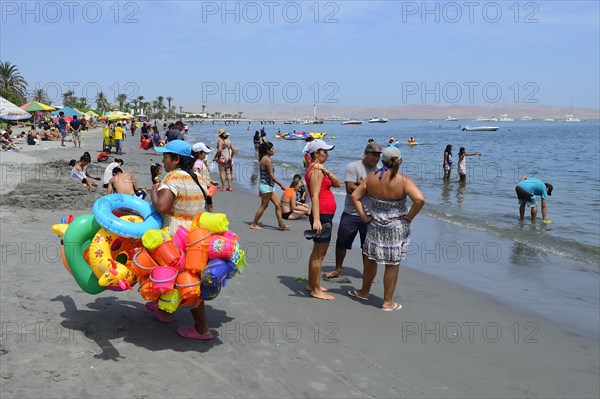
(126, 205)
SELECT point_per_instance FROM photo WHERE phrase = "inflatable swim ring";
(76, 240)
(129, 205)
(106, 246)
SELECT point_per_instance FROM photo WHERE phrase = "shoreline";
(273, 340)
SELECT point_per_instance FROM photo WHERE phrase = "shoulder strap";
(195, 178)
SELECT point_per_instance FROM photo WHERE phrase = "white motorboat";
(451, 119)
(571, 118)
(505, 118)
(378, 120)
(480, 129)
(549, 120)
(482, 119)
(352, 122)
(527, 118)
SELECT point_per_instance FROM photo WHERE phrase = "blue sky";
(344, 53)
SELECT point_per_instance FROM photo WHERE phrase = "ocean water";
(563, 154)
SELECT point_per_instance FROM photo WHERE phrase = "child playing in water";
(462, 163)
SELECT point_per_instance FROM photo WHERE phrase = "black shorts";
(324, 219)
(350, 225)
(286, 215)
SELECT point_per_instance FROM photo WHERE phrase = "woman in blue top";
(266, 187)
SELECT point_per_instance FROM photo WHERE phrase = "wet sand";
(272, 339)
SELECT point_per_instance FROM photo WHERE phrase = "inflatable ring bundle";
(123, 243)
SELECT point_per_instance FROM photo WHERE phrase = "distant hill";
(419, 111)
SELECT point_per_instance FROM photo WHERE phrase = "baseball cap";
(390, 152)
(373, 147)
(200, 147)
(317, 145)
(178, 147)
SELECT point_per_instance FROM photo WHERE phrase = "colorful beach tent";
(68, 112)
(91, 113)
(10, 112)
(33, 106)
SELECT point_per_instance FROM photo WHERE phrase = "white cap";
(317, 145)
(200, 147)
(390, 152)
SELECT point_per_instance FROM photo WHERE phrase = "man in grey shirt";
(350, 222)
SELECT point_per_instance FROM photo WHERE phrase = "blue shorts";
(265, 188)
(63, 132)
(350, 225)
(118, 143)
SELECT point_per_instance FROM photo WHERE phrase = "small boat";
(352, 122)
(527, 118)
(318, 135)
(549, 120)
(505, 118)
(451, 119)
(378, 120)
(480, 129)
(482, 119)
(571, 118)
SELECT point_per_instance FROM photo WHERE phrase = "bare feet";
(322, 289)
(322, 295)
(256, 227)
(285, 227)
(332, 274)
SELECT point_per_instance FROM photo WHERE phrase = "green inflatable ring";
(77, 238)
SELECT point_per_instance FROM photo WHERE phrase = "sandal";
(191, 333)
(153, 308)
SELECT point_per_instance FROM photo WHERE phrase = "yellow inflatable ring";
(102, 248)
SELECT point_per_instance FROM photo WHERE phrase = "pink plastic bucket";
(221, 247)
(180, 236)
(163, 278)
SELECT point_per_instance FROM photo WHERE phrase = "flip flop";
(191, 333)
(325, 230)
(354, 294)
(397, 306)
(153, 308)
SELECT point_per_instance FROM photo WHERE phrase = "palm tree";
(102, 102)
(169, 101)
(240, 114)
(135, 102)
(121, 98)
(160, 99)
(40, 95)
(69, 98)
(13, 86)
(82, 103)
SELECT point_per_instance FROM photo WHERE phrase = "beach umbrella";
(68, 112)
(33, 106)
(92, 113)
(10, 112)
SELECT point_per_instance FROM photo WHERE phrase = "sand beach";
(272, 340)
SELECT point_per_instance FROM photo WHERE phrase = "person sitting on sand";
(290, 208)
(79, 172)
(108, 171)
(124, 183)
